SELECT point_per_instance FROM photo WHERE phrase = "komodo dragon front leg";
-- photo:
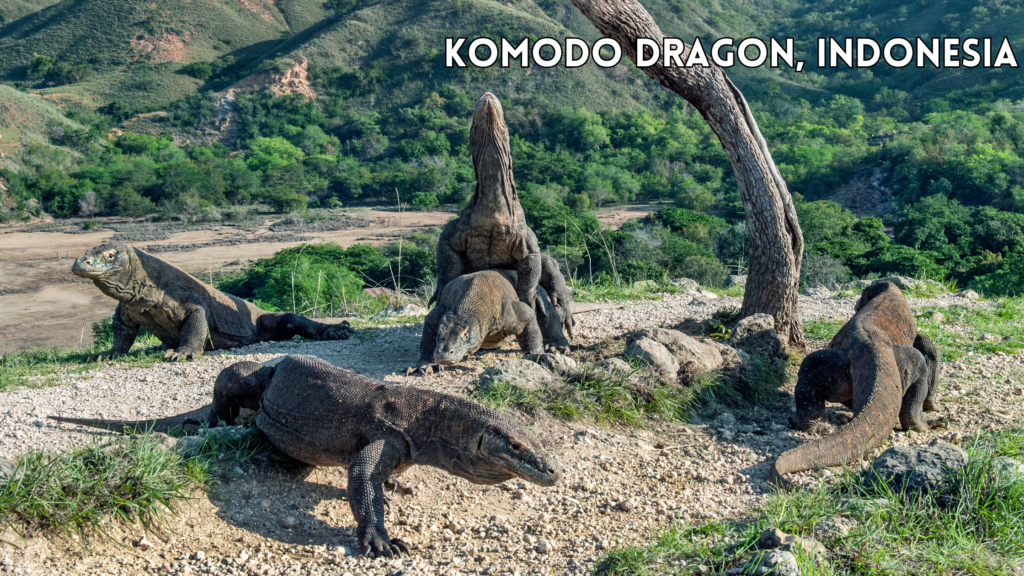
(195, 332)
(124, 330)
(366, 475)
(428, 343)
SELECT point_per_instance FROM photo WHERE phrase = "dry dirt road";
(42, 305)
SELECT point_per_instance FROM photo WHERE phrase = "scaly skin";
(491, 231)
(187, 315)
(327, 416)
(879, 366)
(475, 311)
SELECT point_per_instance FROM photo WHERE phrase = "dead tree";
(776, 243)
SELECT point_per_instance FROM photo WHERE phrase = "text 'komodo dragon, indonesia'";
(187, 315)
(478, 311)
(491, 231)
(878, 365)
(323, 415)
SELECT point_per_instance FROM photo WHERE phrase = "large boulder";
(655, 355)
(901, 282)
(756, 334)
(917, 469)
(735, 280)
(731, 357)
(685, 285)
(694, 357)
(517, 372)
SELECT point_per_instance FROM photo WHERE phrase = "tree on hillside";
(776, 242)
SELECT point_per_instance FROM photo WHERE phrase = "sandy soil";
(42, 305)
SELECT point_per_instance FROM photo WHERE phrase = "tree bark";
(776, 242)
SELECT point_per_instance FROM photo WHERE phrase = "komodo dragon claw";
(424, 370)
(376, 546)
(103, 356)
(175, 356)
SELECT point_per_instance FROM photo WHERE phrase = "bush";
(824, 270)
(704, 270)
(425, 200)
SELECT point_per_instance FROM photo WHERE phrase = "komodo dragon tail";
(864, 433)
(193, 418)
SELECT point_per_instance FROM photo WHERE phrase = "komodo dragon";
(327, 416)
(879, 366)
(480, 310)
(491, 231)
(187, 315)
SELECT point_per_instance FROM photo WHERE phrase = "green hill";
(22, 115)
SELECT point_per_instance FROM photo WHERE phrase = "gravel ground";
(620, 484)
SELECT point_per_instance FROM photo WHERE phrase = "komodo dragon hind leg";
(914, 371)
(285, 325)
(926, 347)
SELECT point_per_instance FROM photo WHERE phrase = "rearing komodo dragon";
(187, 315)
(879, 366)
(323, 415)
(491, 231)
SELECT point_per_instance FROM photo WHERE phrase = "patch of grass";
(585, 291)
(731, 291)
(821, 329)
(976, 330)
(42, 367)
(932, 288)
(627, 398)
(973, 526)
(130, 479)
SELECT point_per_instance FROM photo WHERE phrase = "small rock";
(970, 295)
(558, 363)
(773, 538)
(289, 522)
(774, 562)
(917, 469)
(517, 372)
(612, 367)
(834, 528)
(655, 355)
(725, 421)
(936, 316)
(901, 282)
(200, 555)
(545, 547)
(628, 504)
(143, 544)
(9, 471)
(735, 280)
(817, 291)
(1006, 469)
(605, 544)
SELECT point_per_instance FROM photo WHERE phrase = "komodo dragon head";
(457, 337)
(500, 449)
(104, 262)
(492, 161)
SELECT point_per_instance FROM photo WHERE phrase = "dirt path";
(620, 484)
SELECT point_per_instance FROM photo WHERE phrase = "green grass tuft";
(975, 330)
(130, 479)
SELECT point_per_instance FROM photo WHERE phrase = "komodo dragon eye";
(516, 447)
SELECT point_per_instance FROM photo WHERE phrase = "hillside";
(22, 115)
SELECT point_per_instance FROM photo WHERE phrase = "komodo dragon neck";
(495, 197)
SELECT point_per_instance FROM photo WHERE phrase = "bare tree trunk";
(776, 243)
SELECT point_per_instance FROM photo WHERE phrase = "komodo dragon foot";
(424, 370)
(340, 331)
(173, 355)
